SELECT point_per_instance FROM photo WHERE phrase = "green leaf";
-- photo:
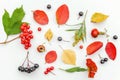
(16, 28)
(6, 21)
(17, 15)
(12, 24)
(75, 69)
(72, 29)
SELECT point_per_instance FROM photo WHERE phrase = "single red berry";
(28, 27)
(94, 32)
(39, 28)
(30, 31)
(22, 28)
(48, 69)
(31, 36)
(26, 47)
(45, 72)
(81, 46)
(29, 45)
(24, 24)
(51, 68)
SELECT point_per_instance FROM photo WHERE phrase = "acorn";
(41, 48)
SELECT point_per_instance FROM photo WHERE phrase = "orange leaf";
(62, 14)
(40, 17)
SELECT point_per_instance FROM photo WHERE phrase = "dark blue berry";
(81, 13)
(105, 59)
(48, 6)
(20, 68)
(102, 61)
(59, 38)
(115, 37)
(36, 65)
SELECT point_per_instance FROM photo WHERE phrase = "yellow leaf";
(98, 17)
(69, 57)
(49, 35)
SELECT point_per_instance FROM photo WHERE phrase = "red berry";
(28, 27)
(51, 68)
(39, 28)
(45, 72)
(31, 36)
(48, 69)
(30, 31)
(29, 45)
(81, 46)
(94, 32)
(24, 24)
(26, 47)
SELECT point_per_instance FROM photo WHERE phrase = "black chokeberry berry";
(102, 61)
(81, 13)
(115, 37)
(105, 59)
(32, 69)
(59, 38)
(48, 6)
(20, 68)
(36, 65)
(29, 71)
(26, 69)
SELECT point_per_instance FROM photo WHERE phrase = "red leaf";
(50, 57)
(62, 14)
(111, 50)
(93, 47)
(92, 68)
(40, 17)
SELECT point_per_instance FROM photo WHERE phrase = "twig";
(9, 40)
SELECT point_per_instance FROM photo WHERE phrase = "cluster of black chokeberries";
(29, 68)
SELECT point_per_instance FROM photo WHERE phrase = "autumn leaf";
(62, 14)
(40, 17)
(69, 57)
(98, 17)
(49, 35)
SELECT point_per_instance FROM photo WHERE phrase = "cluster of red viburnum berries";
(26, 35)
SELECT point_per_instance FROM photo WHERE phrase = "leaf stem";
(9, 40)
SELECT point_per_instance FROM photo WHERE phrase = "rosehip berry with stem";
(95, 32)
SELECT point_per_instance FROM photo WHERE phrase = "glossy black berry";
(105, 59)
(59, 38)
(115, 37)
(20, 68)
(102, 61)
(36, 65)
(48, 6)
(26, 69)
(81, 13)
(29, 71)
(32, 69)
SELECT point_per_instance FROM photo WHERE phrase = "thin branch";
(9, 40)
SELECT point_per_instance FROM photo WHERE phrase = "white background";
(13, 54)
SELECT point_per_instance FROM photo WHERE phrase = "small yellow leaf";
(98, 17)
(49, 35)
(69, 57)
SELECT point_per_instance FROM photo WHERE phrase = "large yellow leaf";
(69, 57)
(49, 35)
(98, 17)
